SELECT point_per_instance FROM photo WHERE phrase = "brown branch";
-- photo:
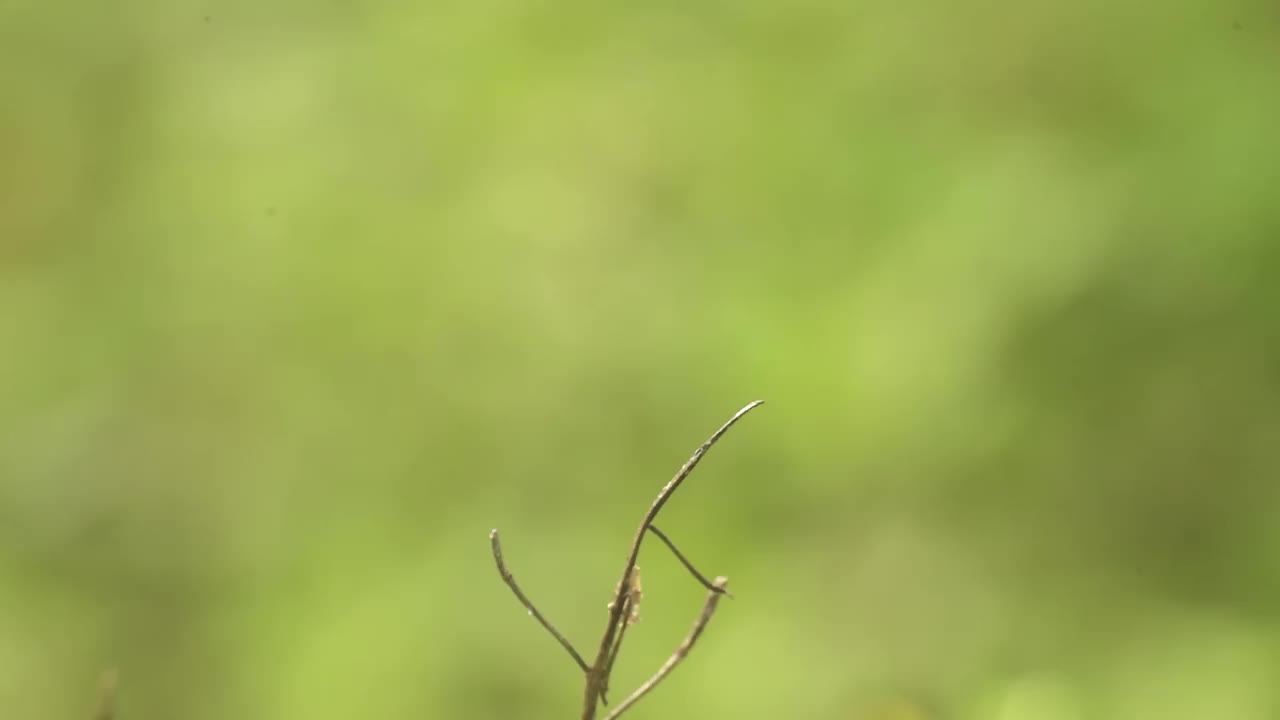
(685, 561)
(528, 604)
(617, 647)
(682, 650)
(613, 656)
(596, 676)
(107, 696)
(630, 615)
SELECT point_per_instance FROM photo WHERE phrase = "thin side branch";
(528, 604)
(596, 679)
(617, 647)
(630, 615)
(713, 599)
(685, 561)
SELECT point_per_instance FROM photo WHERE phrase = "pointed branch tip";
(597, 676)
(510, 580)
(681, 651)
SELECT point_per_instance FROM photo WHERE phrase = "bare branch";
(617, 647)
(107, 696)
(630, 616)
(713, 599)
(613, 656)
(685, 561)
(596, 679)
(528, 604)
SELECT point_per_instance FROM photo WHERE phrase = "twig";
(524, 600)
(107, 696)
(617, 646)
(713, 599)
(630, 615)
(622, 631)
(685, 561)
(596, 676)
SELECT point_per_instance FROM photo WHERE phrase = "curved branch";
(685, 561)
(682, 650)
(595, 676)
(524, 600)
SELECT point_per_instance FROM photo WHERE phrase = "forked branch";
(682, 650)
(626, 597)
(596, 680)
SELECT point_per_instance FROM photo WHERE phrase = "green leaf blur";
(299, 300)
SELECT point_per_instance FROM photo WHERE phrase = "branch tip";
(682, 650)
(598, 675)
(510, 580)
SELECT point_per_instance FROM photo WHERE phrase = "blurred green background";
(298, 300)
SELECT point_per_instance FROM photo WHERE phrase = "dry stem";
(682, 650)
(595, 677)
(598, 673)
(528, 604)
(107, 696)
(685, 561)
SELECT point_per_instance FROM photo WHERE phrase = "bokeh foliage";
(297, 300)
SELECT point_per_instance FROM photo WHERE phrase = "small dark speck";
(207, 18)
(271, 212)
(1235, 25)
